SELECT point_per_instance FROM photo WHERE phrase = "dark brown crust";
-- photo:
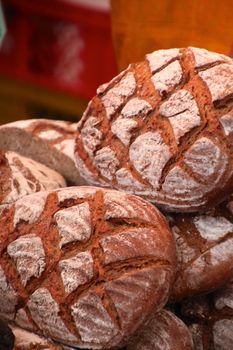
(107, 277)
(209, 129)
(204, 257)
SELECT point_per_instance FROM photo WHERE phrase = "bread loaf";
(84, 266)
(211, 319)
(163, 129)
(7, 338)
(21, 176)
(164, 331)
(25, 340)
(204, 249)
(47, 141)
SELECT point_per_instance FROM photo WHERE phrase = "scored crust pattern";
(84, 266)
(21, 176)
(211, 319)
(204, 250)
(162, 129)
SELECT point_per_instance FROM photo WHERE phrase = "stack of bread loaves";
(99, 266)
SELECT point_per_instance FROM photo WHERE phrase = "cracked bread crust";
(210, 319)
(204, 250)
(50, 142)
(84, 265)
(21, 176)
(162, 129)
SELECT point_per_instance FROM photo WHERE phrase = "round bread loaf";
(210, 319)
(25, 340)
(204, 250)
(7, 338)
(163, 129)
(164, 331)
(50, 142)
(21, 176)
(83, 265)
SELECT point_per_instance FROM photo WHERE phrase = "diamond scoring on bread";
(152, 148)
(85, 269)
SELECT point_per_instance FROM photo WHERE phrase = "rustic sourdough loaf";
(210, 319)
(25, 340)
(204, 250)
(21, 176)
(46, 141)
(163, 129)
(164, 331)
(83, 265)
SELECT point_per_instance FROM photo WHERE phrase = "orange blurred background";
(57, 52)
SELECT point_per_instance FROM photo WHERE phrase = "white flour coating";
(46, 178)
(204, 57)
(135, 243)
(219, 80)
(102, 88)
(30, 208)
(195, 274)
(75, 192)
(123, 129)
(115, 97)
(160, 58)
(136, 107)
(224, 297)
(76, 271)
(125, 179)
(49, 135)
(226, 121)
(222, 252)
(92, 320)
(74, 224)
(149, 154)
(131, 292)
(168, 77)
(28, 254)
(27, 340)
(118, 205)
(164, 331)
(66, 147)
(22, 124)
(185, 253)
(223, 334)
(22, 320)
(91, 136)
(45, 312)
(184, 122)
(196, 332)
(212, 228)
(183, 113)
(106, 162)
(90, 178)
(178, 184)
(179, 102)
(8, 298)
(206, 160)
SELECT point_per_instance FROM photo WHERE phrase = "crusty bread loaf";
(21, 176)
(83, 265)
(211, 319)
(164, 331)
(47, 141)
(25, 340)
(204, 249)
(163, 129)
